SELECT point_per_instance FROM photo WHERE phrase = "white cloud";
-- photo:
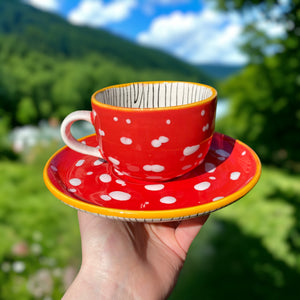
(49, 5)
(198, 37)
(97, 13)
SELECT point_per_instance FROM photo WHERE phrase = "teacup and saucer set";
(154, 157)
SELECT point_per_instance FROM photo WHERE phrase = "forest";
(49, 68)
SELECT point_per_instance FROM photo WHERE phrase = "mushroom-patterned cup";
(153, 131)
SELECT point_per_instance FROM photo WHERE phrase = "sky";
(189, 29)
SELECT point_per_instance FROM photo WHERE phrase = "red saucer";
(229, 171)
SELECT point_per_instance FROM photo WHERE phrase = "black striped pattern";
(152, 95)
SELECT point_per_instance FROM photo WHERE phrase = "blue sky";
(189, 29)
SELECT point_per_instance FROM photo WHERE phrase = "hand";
(124, 260)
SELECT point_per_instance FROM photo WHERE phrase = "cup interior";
(154, 94)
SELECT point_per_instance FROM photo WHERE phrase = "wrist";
(97, 285)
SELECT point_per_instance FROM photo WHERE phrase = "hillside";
(49, 67)
(52, 35)
(219, 71)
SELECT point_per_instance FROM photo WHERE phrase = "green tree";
(265, 106)
(26, 112)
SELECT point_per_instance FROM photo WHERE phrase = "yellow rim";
(100, 104)
(156, 214)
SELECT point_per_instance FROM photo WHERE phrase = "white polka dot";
(121, 182)
(53, 168)
(158, 142)
(163, 139)
(217, 198)
(105, 197)
(168, 122)
(105, 178)
(101, 132)
(116, 119)
(212, 178)
(126, 141)
(154, 187)
(244, 153)
(72, 190)
(114, 161)
(80, 163)
(235, 175)
(128, 121)
(168, 200)
(98, 162)
(90, 173)
(200, 155)
(190, 150)
(202, 112)
(210, 168)
(202, 186)
(186, 167)
(83, 142)
(206, 127)
(222, 153)
(154, 168)
(94, 114)
(75, 181)
(120, 196)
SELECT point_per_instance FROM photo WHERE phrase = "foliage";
(39, 236)
(254, 242)
(5, 147)
(249, 250)
(49, 67)
(50, 34)
(265, 106)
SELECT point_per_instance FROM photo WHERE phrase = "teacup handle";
(68, 138)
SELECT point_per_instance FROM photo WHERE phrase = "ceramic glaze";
(150, 130)
(228, 172)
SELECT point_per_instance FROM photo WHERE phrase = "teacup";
(153, 131)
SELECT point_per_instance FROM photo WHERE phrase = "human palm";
(125, 260)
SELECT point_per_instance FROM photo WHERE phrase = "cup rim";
(175, 107)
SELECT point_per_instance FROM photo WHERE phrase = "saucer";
(228, 172)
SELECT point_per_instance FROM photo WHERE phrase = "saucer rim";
(153, 215)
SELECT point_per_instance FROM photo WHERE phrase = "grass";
(39, 233)
(249, 249)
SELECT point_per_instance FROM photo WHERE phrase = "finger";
(86, 220)
(188, 230)
(89, 221)
(93, 227)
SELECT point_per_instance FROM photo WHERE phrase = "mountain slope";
(49, 67)
(220, 71)
(48, 33)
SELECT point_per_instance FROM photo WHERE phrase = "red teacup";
(149, 130)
